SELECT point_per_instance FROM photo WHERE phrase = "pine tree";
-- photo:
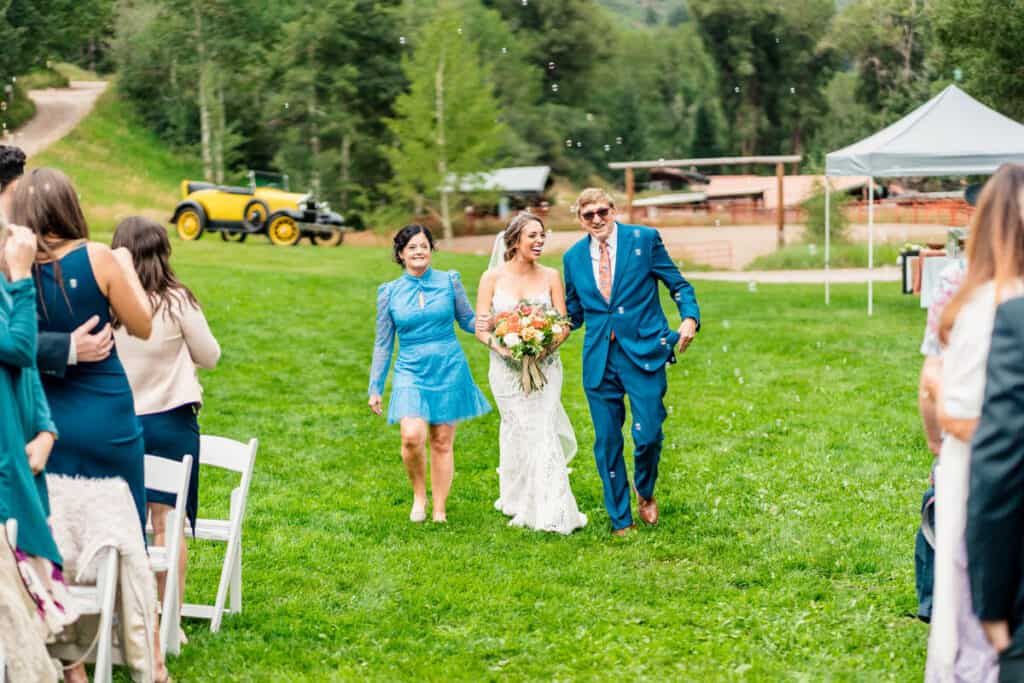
(447, 125)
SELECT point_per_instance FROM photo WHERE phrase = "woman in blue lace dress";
(432, 388)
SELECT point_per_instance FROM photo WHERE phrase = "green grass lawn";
(789, 486)
(812, 256)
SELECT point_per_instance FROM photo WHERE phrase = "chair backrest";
(166, 475)
(228, 454)
(12, 532)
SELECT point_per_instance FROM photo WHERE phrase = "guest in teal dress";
(432, 388)
(27, 433)
(77, 279)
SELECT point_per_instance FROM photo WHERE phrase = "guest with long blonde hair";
(957, 647)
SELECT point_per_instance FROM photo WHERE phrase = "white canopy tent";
(950, 134)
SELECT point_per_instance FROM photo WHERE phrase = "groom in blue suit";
(611, 286)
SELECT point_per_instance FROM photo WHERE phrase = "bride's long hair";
(515, 230)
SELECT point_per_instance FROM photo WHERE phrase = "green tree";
(980, 41)
(569, 41)
(310, 109)
(887, 43)
(446, 127)
(772, 68)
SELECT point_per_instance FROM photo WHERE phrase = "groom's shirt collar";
(595, 249)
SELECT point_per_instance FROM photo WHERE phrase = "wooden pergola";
(779, 161)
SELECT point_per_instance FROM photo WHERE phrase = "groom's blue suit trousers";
(646, 391)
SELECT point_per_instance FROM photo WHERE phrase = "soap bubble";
(504, 50)
(554, 87)
(752, 286)
(607, 148)
(618, 141)
(568, 142)
(736, 89)
(401, 40)
(551, 66)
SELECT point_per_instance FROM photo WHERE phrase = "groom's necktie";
(604, 271)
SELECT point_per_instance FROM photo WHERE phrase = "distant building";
(518, 187)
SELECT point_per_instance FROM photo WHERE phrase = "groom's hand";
(483, 323)
(687, 331)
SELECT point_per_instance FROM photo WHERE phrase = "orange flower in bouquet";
(530, 331)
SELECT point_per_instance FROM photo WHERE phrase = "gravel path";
(58, 111)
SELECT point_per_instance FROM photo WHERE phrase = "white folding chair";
(98, 599)
(169, 476)
(228, 454)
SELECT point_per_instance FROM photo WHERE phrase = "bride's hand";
(483, 323)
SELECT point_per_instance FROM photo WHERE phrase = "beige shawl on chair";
(88, 515)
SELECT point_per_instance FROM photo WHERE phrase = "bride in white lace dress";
(536, 439)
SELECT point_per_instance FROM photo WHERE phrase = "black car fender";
(294, 215)
(189, 204)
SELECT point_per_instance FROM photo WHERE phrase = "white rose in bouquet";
(511, 339)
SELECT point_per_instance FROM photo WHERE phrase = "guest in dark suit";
(55, 350)
(995, 503)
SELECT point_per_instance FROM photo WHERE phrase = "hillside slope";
(119, 167)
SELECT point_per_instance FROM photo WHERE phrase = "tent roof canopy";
(950, 134)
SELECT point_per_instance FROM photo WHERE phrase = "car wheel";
(328, 239)
(284, 231)
(190, 225)
(233, 235)
(254, 215)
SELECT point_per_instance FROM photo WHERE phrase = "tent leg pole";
(871, 243)
(827, 229)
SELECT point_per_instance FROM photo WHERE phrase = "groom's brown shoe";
(624, 531)
(647, 510)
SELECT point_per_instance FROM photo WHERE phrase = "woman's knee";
(442, 438)
(414, 437)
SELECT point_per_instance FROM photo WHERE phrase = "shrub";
(814, 228)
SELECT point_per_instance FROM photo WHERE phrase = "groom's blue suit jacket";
(634, 312)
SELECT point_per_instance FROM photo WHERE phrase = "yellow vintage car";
(237, 212)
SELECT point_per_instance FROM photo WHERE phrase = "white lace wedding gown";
(536, 443)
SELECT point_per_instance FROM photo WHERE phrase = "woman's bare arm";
(484, 296)
(117, 279)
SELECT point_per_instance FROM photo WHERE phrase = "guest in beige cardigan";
(162, 369)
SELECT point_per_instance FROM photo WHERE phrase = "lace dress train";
(536, 442)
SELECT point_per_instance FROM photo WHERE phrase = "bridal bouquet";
(529, 331)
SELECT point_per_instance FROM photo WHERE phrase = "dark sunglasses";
(588, 216)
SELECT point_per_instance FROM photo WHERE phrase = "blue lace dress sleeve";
(464, 313)
(384, 344)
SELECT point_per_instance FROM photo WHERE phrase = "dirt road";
(726, 247)
(58, 111)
